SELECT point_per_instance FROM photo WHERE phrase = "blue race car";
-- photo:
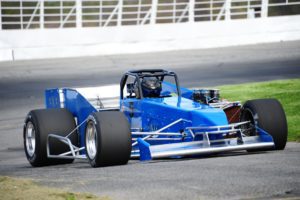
(153, 118)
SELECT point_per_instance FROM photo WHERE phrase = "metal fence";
(30, 14)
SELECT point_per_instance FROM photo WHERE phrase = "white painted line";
(108, 91)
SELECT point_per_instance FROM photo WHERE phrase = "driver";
(151, 87)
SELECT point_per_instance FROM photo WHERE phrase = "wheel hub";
(91, 140)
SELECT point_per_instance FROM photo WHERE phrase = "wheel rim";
(91, 140)
(247, 115)
(30, 139)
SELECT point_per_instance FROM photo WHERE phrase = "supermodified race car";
(150, 117)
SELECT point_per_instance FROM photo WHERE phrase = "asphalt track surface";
(238, 175)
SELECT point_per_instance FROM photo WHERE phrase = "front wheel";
(107, 139)
(40, 123)
(268, 115)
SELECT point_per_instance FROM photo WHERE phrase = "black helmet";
(151, 87)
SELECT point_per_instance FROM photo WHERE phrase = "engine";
(206, 96)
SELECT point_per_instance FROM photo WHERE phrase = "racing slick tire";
(267, 114)
(38, 124)
(107, 139)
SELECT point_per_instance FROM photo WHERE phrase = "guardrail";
(40, 14)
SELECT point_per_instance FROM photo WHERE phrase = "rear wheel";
(108, 139)
(268, 115)
(38, 124)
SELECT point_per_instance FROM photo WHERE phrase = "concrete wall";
(54, 43)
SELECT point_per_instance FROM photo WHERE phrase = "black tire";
(45, 121)
(112, 139)
(269, 115)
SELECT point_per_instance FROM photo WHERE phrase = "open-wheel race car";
(150, 116)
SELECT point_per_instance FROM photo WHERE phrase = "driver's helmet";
(151, 87)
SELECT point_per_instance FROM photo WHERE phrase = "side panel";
(52, 99)
(80, 108)
(159, 115)
(132, 110)
(153, 114)
(75, 103)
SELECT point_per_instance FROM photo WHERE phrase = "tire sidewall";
(113, 145)
(268, 114)
(36, 155)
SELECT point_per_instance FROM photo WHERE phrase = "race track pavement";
(237, 175)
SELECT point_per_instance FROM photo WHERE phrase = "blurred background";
(68, 28)
(247, 48)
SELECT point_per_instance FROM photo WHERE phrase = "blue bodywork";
(147, 114)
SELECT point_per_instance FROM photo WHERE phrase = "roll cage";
(138, 75)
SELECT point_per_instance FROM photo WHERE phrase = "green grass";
(286, 91)
(23, 189)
